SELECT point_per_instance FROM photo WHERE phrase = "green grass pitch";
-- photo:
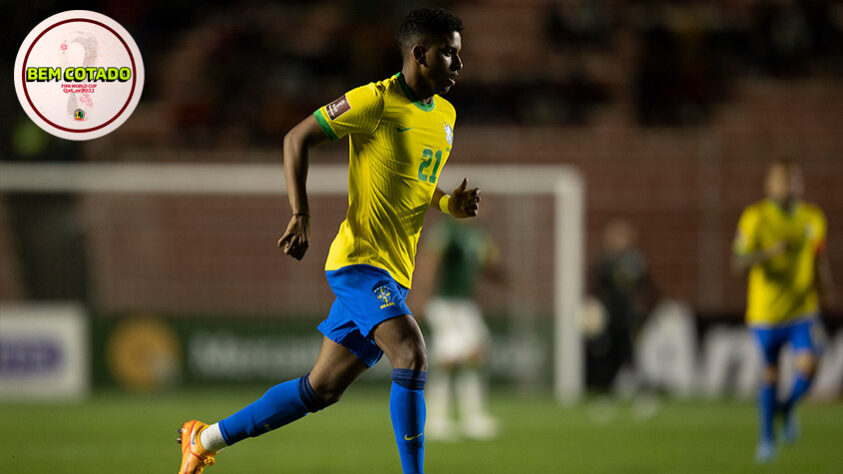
(115, 433)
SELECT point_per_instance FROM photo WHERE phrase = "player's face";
(784, 182)
(443, 63)
(618, 236)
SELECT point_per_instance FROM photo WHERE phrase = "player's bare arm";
(307, 134)
(461, 202)
(825, 284)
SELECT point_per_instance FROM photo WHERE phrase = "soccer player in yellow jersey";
(781, 241)
(400, 136)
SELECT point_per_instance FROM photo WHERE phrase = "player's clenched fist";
(464, 202)
(296, 238)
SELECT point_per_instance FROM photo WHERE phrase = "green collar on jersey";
(409, 93)
(784, 210)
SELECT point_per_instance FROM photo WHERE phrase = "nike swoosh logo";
(410, 438)
(404, 129)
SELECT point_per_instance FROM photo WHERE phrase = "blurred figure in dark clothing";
(622, 284)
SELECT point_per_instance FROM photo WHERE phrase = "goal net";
(198, 240)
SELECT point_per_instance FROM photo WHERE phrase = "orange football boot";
(194, 457)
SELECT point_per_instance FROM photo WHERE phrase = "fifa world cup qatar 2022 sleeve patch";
(338, 107)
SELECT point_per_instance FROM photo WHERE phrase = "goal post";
(566, 186)
(563, 185)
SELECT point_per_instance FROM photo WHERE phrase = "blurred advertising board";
(146, 353)
(44, 352)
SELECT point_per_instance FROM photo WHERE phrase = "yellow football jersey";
(397, 149)
(783, 287)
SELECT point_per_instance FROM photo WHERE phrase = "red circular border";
(131, 92)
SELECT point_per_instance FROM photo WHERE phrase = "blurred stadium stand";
(544, 82)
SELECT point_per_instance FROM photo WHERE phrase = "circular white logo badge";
(79, 75)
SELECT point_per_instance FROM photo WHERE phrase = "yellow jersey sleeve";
(817, 231)
(357, 111)
(746, 240)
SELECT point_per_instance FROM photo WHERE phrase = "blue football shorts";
(365, 297)
(798, 333)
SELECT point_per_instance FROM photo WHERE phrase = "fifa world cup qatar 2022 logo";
(79, 75)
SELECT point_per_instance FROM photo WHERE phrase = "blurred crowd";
(241, 74)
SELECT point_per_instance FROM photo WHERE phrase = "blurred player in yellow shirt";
(781, 241)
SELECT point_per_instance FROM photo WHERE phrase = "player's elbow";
(307, 134)
(739, 266)
(292, 140)
(293, 145)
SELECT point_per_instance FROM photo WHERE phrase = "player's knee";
(328, 388)
(806, 364)
(328, 392)
(477, 357)
(332, 397)
(447, 366)
(411, 355)
(771, 374)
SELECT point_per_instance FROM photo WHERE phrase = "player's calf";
(805, 365)
(279, 406)
(407, 410)
(402, 341)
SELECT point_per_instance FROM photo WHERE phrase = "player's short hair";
(425, 24)
(787, 164)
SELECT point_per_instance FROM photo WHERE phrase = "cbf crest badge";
(449, 133)
(384, 296)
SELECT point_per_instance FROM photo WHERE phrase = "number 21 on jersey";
(427, 158)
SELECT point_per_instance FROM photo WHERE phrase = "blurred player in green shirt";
(459, 336)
